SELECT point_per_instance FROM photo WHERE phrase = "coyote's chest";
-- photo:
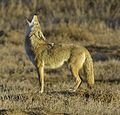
(29, 51)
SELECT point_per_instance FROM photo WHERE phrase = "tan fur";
(50, 55)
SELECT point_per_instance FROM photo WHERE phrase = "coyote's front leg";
(40, 71)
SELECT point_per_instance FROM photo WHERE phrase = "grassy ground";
(97, 29)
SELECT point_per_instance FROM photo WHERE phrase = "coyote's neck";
(36, 41)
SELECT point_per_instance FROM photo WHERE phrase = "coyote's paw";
(41, 91)
(90, 86)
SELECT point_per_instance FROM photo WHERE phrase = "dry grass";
(18, 85)
(71, 21)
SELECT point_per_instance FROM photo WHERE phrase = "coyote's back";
(51, 55)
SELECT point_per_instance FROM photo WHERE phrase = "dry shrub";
(12, 112)
(15, 37)
(87, 36)
(106, 94)
(79, 34)
(67, 33)
(108, 70)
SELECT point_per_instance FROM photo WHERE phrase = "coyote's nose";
(35, 19)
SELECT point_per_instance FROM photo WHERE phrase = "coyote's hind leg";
(76, 63)
(75, 73)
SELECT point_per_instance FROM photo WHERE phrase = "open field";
(97, 29)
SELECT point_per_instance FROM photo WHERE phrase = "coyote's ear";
(28, 22)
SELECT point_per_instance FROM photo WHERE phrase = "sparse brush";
(89, 22)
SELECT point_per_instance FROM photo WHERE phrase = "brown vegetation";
(93, 23)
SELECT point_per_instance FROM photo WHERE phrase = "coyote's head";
(34, 28)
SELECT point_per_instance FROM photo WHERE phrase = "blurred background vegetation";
(89, 21)
(13, 12)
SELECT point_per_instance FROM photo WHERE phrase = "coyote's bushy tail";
(88, 69)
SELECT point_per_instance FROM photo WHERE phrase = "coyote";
(52, 55)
